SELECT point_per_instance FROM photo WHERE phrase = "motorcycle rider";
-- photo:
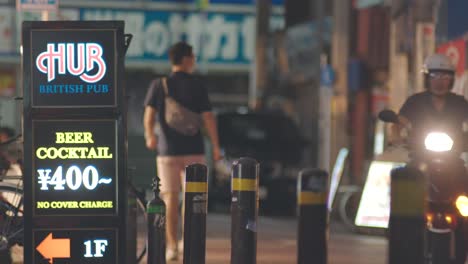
(437, 108)
(436, 104)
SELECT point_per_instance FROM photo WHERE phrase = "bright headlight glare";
(462, 205)
(439, 142)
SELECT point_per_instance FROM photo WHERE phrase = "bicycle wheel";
(11, 218)
(137, 223)
(348, 206)
(141, 219)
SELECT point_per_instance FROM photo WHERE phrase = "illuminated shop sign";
(84, 246)
(71, 59)
(68, 74)
(374, 207)
(75, 166)
(74, 142)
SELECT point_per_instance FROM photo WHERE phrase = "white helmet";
(438, 62)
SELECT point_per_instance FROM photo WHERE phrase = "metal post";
(340, 49)
(131, 221)
(259, 73)
(156, 210)
(196, 197)
(313, 218)
(406, 225)
(244, 211)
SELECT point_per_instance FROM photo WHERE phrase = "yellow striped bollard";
(407, 223)
(312, 229)
(244, 211)
(196, 198)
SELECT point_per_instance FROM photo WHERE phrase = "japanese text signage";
(75, 167)
(68, 73)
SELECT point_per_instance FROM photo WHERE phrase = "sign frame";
(116, 112)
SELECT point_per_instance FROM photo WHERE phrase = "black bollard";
(407, 223)
(244, 211)
(196, 198)
(156, 210)
(312, 229)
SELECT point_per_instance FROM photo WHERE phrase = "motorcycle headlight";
(438, 141)
(462, 205)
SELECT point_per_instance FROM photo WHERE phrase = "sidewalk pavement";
(276, 243)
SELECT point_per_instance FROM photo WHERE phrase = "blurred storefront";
(367, 82)
(452, 37)
(222, 33)
(392, 40)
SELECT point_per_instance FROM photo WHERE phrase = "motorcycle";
(439, 159)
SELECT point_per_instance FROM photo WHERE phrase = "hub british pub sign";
(74, 139)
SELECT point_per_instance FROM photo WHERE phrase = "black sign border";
(118, 113)
(116, 169)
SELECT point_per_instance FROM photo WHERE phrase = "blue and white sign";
(228, 2)
(217, 38)
(327, 75)
(37, 4)
(223, 37)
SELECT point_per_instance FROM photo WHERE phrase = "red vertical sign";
(456, 50)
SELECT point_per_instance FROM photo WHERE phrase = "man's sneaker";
(171, 255)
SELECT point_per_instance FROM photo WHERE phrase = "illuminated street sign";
(374, 207)
(72, 68)
(75, 167)
(74, 111)
(80, 246)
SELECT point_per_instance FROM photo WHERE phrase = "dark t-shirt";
(424, 118)
(187, 90)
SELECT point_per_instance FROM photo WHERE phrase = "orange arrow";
(51, 248)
